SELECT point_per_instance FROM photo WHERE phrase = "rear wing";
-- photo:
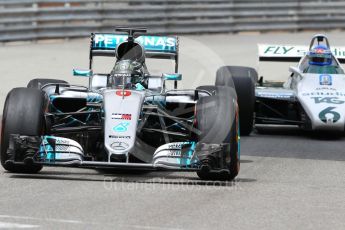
(292, 53)
(162, 47)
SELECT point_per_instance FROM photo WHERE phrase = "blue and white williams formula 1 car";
(313, 97)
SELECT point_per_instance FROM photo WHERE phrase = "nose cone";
(323, 99)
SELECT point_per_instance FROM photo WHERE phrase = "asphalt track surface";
(288, 180)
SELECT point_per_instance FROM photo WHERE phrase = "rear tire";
(241, 71)
(23, 114)
(216, 120)
(224, 77)
(244, 79)
(39, 82)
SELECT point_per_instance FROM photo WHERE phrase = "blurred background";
(47, 38)
(37, 19)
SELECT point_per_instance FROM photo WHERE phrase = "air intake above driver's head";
(130, 51)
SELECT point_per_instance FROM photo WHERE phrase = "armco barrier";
(35, 19)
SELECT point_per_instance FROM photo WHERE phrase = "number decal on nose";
(329, 116)
(124, 93)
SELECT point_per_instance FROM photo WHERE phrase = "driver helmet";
(126, 73)
(320, 55)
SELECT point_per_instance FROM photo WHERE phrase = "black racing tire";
(244, 79)
(217, 122)
(240, 71)
(224, 77)
(213, 90)
(39, 82)
(234, 165)
(23, 114)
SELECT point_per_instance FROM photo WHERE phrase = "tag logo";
(328, 100)
(124, 93)
(122, 127)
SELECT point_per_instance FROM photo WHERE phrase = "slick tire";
(212, 90)
(23, 114)
(240, 71)
(224, 77)
(217, 122)
(244, 79)
(39, 82)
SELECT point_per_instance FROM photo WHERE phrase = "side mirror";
(295, 70)
(172, 77)
(82, 73)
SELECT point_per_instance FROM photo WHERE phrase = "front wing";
(58, 151)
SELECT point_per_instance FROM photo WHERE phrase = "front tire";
(23, 114)
(37, 83)
(217, 122)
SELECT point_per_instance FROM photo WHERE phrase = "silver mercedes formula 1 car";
(125, 119)
(312, 98)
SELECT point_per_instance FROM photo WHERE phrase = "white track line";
(6, 225)
(147, 227)
(40, 219)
